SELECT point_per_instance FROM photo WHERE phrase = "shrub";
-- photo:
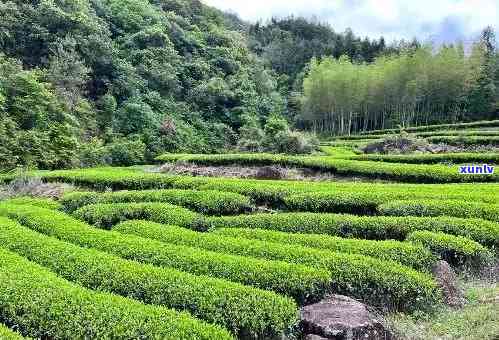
(456, 158)
(457, 250)
(405, 253)
(44, 305)
(343, 202)
(302, 283)
(46, 203)
(107, 215)
(214, 300)
(366, 227)
(379, 282)
(92, 153)
(207, 202)
(485, 123)
(465, 140)
(7, 334)
(441, 208)
(125, 151)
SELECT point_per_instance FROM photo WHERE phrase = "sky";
(435, 20)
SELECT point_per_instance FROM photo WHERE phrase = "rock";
(340, 317)
(270, 172)
(447, 281)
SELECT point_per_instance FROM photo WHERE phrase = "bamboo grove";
(417, 87)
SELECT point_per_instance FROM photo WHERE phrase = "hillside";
(168, 72)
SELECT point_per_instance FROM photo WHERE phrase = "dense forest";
(418, 86)
(85, 83)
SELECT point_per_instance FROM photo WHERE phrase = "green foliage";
(457, 250)
(107, 215)
(456, 208)
(381, 283)
(125, 151)
(366, 227)
(435, 127)
(7, 334)
(208, 202)
(42, 304)
(365, 202)
(403, 252)
(35, 130)
(45, 203)
(125, 66)
(456, 158)
(300, 282)
(216, 301)
(465, 140)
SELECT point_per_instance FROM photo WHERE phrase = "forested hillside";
(166, 73)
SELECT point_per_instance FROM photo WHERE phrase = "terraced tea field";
(135, 253)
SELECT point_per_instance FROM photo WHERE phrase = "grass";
(478, 320)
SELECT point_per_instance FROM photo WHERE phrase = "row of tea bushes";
(393, 204)
(300, 282)
(365, 227)
(465, 140)
(106, 215)
(209, 202)
(419, 173)
(41, 202)
(408, 254)
(460, 251)
(381, 283)
(458, 133)
(43, 305)
(457, 250)
(477, 124)
(456, 158)
(213, 300)
(436, 133)
(455, 208)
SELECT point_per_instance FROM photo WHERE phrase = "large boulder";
(447, 281)
(340, 317)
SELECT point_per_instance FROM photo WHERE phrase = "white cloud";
(395, 19)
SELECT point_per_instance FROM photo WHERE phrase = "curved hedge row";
(391, 203)
(466, 140)
(367, 227)
(8, 334)
(44, 305)
(208, 202)
(405, 253)
(383, 283)
(456, 158)
(482, 123)
(419, 173)
(453, 208)
(242, 309)
(46, 203)
(359, 203)
(457, 250)
(301, 282)
(107, 215)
